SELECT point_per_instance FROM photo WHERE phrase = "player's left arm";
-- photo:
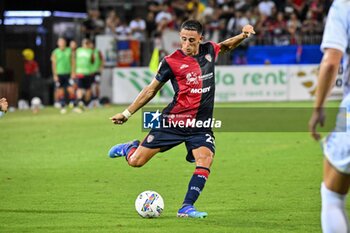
(102, 61)
(231, 43)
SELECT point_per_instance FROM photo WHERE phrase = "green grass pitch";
(55, 176)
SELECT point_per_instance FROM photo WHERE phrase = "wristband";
(127, 114)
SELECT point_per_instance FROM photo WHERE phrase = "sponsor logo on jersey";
(206, 76)
(200, 90)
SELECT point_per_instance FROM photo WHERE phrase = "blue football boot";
(188, 211)
(122, 150)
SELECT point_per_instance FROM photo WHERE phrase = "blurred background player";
(336, 147)
(97, 68)
(184, 67)
(31, 71)
(61, 60)
(3, 106)
(82, 72)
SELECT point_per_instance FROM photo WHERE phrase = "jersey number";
(210, 139)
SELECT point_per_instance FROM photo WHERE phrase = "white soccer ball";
(149, 204)
(36, 102)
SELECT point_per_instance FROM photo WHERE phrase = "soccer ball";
(149, 204)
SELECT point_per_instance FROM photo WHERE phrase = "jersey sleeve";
(335, 34)
(164, 72)
(216, 48)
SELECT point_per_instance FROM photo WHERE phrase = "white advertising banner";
(251, 83)
(128, 82)
(107, 45)
(170, 41)
(233, 83)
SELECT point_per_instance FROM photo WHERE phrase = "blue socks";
(196, 185)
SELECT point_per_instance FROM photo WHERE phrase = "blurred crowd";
(277, 22)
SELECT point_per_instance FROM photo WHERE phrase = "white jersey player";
(336, 147)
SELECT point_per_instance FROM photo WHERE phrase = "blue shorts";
(166, 139)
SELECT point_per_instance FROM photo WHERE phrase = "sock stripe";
(131, 152)
(205, 168)
(202, 171)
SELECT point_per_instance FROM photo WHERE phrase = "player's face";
(190, 41)
(61, 43)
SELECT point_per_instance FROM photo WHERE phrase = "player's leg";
(334, 189)
(71, 96)
(202, 153)
(63, 85)
(134, 153)
(203, 158)
(83, 83)
(141, 156)
(158, 140)
(336, 174)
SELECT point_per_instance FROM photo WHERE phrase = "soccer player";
(191, 72)
(336, 147)
(97, 68)
(61, 61)
(82, 72)
(3, 106)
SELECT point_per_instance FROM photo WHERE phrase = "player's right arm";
(141, 100)
(327, 75)
(334, 44)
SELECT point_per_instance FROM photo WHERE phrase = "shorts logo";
(151, 120)
(150, 138)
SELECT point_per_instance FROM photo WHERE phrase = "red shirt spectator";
(31, 67)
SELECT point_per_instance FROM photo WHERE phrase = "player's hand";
(55, 78)
(248, 30)
(118, 119)
(318, 117)
(3, 105)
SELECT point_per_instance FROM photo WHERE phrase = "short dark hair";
(192, 25)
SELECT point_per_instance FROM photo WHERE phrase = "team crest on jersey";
(192, 78)
(150, 138)
(208, 57)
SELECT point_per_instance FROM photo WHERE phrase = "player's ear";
(200, 39)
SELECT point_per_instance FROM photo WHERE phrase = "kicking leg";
(334, 189)
(135, 154)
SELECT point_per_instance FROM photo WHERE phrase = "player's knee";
(205, 159)
(135, 162)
